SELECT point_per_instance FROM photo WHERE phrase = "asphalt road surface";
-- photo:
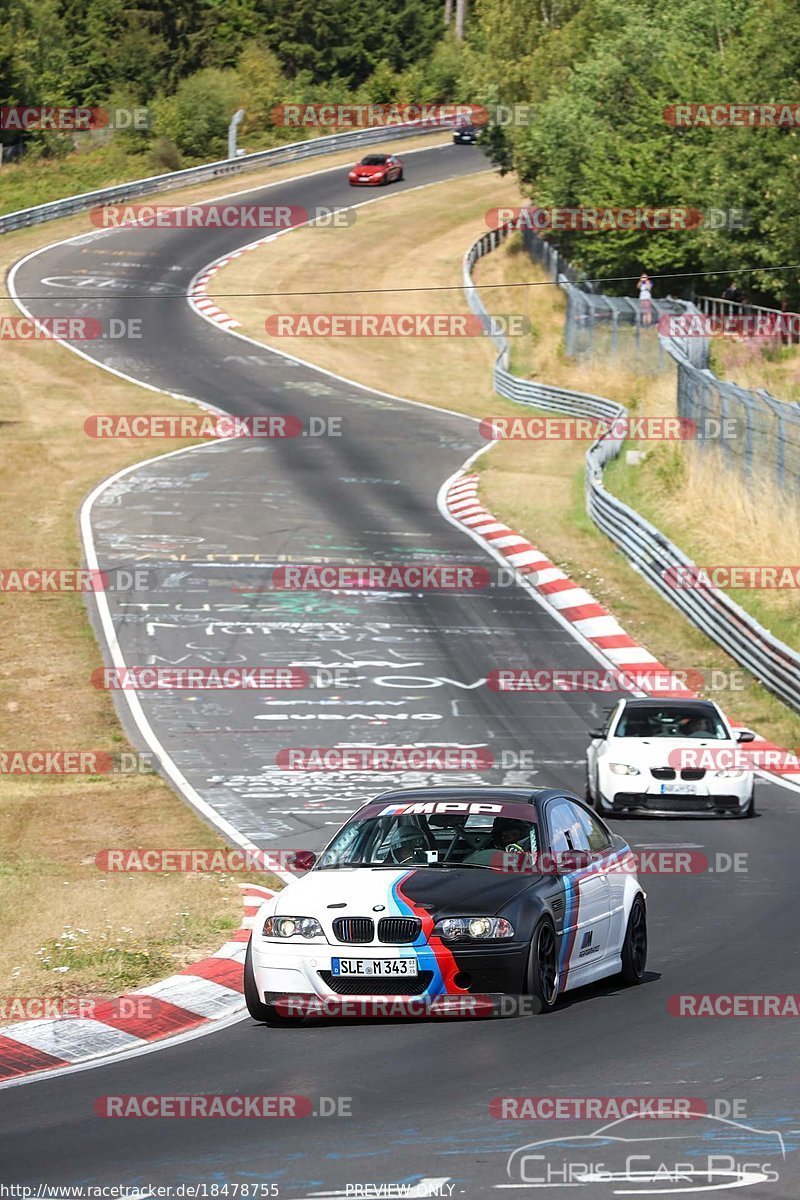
(209, 526)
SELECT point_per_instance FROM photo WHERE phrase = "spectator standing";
(645, 286)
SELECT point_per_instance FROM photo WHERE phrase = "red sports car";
(376, 169)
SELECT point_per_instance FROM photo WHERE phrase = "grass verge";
(51, 827)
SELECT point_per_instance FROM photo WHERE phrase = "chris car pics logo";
(644, 1156)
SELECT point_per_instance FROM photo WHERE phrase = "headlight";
(287, 927)
(480, 928)
(623, 769)
(730, 774)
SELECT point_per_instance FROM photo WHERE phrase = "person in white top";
(645, 286)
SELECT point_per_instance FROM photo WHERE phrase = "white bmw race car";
(667, 757)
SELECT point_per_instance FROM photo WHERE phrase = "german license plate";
(373, 966)
(678, 789)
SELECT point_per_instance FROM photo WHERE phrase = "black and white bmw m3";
(445, 894)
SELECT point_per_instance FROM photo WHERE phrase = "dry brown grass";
(535, 487)
(757, 364)
(51, 828)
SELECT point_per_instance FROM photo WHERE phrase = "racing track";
(210, 523)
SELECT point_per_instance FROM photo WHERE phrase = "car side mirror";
(596, 733)
(303, 860)
(572, 860)
(745, 735)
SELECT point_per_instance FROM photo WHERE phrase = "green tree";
(197, 116)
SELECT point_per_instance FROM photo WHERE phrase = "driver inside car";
(695, 725)
(508, 835)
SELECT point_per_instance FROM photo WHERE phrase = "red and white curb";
(198, 296)
(574, 604)
(200, 299)
(207, 991)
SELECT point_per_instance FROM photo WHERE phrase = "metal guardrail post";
(236, 121)
(775, 408)
(748, 443)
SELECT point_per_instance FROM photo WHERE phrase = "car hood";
(657, 750)
(438, 891)
(374, 170)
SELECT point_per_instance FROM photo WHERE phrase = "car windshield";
(373, 160)
(434, 834)
(671, 721)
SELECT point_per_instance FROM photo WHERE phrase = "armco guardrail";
(771, 661)
(526, 391)
(291, 152)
